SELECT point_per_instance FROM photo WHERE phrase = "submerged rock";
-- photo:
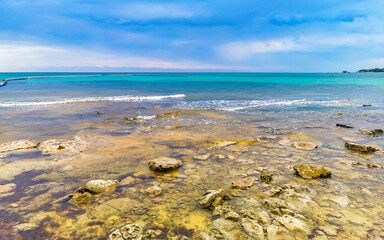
(127, 181)
(168, 115)
(202, 157)
(372, 132)
(266, 177)
(164, 164)
(25, 227)
(343, 125)
(54, 145)
(7, 190)
(224, 143)
(293, 224)
(312, 171)
(343, 201)
(252, 228)
(18, 145)
(212, 198)
(127, 232)
(154, 191)
(242, 183)
(276, 232)
(101, 186)
(304, 145)
(360, 148)
(81, 197)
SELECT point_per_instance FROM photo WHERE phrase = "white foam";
(126, 98)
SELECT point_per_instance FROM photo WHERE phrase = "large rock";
(164, 164)
(312, 171)
(360, 148)
(304, 145)
(81, 197)
(101, 186)
(243, 183)
(126, 232)
(212, 198)
(7, 190)
(18, 145)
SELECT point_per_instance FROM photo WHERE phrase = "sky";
(198, 36)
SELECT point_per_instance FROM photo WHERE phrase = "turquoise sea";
(225, 91)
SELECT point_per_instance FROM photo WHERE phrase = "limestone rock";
(360, 148)
(343, 201)
(242, 183)
(127, 232)
(278, 233)
(101, 186)
(18, 145)
(312, 171)
(74, 145)
(372, 132)
(266, 177)
(154, 191)
(329, 230)
(258, 214)
(164, 164)
(7, 190)
(304, 145)
(210, 197)
(253, 228)
(232, 215)
(293, 224)
(127, 181)
(81, 197)
(273, 203)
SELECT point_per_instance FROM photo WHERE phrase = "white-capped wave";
(125, 98)
(238, 105)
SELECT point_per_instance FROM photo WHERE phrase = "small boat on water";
(3, 83)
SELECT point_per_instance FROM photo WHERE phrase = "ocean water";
(244, 92)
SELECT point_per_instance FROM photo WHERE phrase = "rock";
(360, 148)
(367, 105)
(7, 190)
(101, 186)
(25, 227)
(210, 197)
(252, 228)
(164, 164)
(81, 197)
(329, 230)
(372, 132)
(117, 207)
(226, 212)
(99, 112)
(278, 233)
(242, 183)
(312, 171)
(343, 201)
(304, 145)
(126, 232)
(67, 168)
(202, 157)
(168, 115)
(274, 191)
(37, 218)
(18, 145)
(266, 177)
(154, 191)
(222, 228)
(127, 181)
(343, 125)
(232, 216)
(219, 156)
(224, 143)
(371, 165)
(293, 224)
(152, 233)
(74, 145)
(273, 203)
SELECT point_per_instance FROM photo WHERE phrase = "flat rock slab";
(164, 164)
(361, 148)
(18, 145)
(304, 145)
(312, 171)
(243, 183)
(293, 224)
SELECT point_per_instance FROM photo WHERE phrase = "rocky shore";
(161, 178)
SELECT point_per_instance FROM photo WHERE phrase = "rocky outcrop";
(101, 186)
(18, 145)
(212, 198)
(252, 228)
(127, 232)
(164, 164)
(372, 132)
(304, 145)
(361, 148)
(312, 171)
(74, 145)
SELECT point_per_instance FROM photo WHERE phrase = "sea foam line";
(126, 98)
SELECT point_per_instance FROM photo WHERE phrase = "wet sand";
(216, 148)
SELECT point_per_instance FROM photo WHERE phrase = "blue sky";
(210, 35)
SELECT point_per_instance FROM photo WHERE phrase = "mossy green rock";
(312, 171)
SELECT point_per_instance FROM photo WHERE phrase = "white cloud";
(27, 56)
